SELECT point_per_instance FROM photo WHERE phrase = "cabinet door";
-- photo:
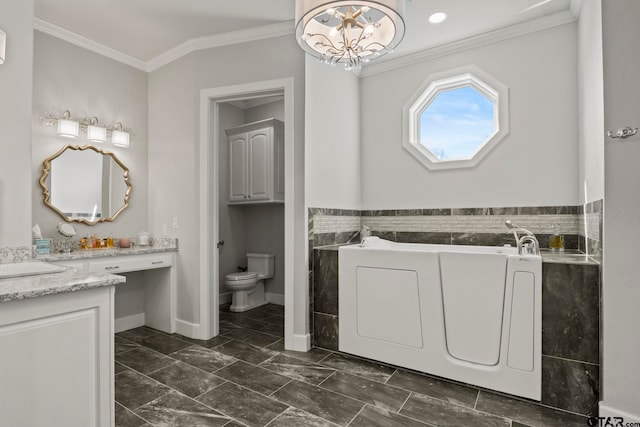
(238, 167)
(278, 147)
(260, 165)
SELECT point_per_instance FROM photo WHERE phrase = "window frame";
(465, 76)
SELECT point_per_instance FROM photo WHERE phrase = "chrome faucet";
(527, 244)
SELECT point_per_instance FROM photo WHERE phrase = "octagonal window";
(457, 123)
(456, 118)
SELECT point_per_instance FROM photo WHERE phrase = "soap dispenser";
(556, 240)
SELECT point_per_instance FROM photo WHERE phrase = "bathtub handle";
(529, 245)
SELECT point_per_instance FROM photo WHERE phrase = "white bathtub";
(468, 313)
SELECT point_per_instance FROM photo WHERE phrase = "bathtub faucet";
(527, 244)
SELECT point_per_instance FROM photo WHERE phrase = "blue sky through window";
(457, 123)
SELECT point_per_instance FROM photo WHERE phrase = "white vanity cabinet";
(56, 357)
(256, 162)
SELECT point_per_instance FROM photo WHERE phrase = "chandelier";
(349, 32)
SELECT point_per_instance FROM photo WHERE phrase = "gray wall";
(535, 165)
(69, 77)
(620, 292)
(174, 126)
(16, 20)
(332, 137)
(591, 103)
(87, 84)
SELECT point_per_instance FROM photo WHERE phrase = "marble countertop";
(17, 288)
(97, 253)
(568, 258)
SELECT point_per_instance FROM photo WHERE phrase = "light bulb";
(438, 17)
(67, 127)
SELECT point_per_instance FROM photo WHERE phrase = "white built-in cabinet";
(56, 360)
(256, 162)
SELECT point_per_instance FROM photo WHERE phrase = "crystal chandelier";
(349, 32)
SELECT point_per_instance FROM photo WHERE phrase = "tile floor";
(244, 377)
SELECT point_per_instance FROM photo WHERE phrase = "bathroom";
(347, 159)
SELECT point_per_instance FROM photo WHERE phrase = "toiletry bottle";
(556, 240)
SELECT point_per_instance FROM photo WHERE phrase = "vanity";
(57, 329)
(157, 291)
(88, 186)
(56, 336)
(57, 332)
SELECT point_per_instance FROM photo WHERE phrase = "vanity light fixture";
(349, 32)
(67, 127)
(119, 136)
(96, 133)
(3, 46)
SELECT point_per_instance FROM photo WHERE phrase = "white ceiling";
(145, 29)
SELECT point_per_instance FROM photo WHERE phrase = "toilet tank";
(263, 264)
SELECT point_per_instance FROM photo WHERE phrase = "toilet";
(248, 286)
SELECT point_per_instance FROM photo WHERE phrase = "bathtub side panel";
(521, 335)
(388, 306)
(382, 301)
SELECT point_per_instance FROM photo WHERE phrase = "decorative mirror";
(85, 184)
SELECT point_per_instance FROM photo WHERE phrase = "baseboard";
(225, 298)
(188, 329)
(300, 342)
(129, 322)
(607, 411)
(277, 299)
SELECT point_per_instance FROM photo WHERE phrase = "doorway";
(212, 103)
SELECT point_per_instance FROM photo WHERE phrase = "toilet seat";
(243, 275)
(245, 280)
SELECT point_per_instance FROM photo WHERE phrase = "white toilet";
(248, 286)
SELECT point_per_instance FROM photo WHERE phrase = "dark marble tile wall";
(572, 241)
(570, 328)
(327, 322)
(592, 215)
(325, 297)
(322, 324)
(468, 237)
(571, 336)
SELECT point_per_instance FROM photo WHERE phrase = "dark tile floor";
(244, 377)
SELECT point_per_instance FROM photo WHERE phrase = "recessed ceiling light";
(438, 17)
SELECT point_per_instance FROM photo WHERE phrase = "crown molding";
(539, 24)
(83, 42)
(224, 39)
(576, 7)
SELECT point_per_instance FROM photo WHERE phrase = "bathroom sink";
(19, 269)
